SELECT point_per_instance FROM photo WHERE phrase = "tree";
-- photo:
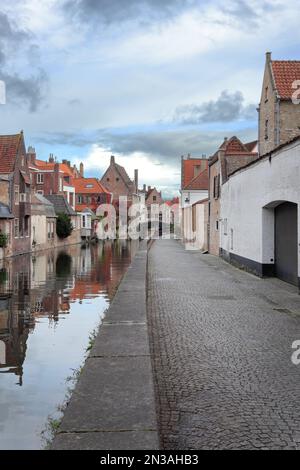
(64, 226)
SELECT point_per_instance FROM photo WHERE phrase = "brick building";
(15, 192)
(231, 156)
(279, 117)
(118, 183)
(90, 193)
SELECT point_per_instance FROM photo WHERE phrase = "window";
(26, 225)
(16, 194)
(107, 179)
(217, 187)
(40, 191)
(117, 179)
(52, 229)
(16, 228)
(21, 228)
(89, 199)
(266, 129)
(79, 198)
(83, 221)
(89, 186)
(40, 178)
(154, 198)
(49, 230)
(217, 225)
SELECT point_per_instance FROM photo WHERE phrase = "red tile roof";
(200, 181)
(88, 186)
(9, 145)
(188, 169)
(285, 72)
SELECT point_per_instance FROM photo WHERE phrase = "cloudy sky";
(146, 80)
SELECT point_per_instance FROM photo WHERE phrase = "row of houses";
(242, 203)
(34, 193)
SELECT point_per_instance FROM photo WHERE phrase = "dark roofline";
(268, 154)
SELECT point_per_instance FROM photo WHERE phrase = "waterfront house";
(61, 206)
(118, 183)
(15, 192)
(43, 223)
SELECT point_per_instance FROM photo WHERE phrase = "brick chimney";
(31, 155)
(136, 180)
(81, 169)
(144, 187)
(112, 160)
(268, 57)
(51, 158)
(56, 178)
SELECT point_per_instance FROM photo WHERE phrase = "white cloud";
(150, 170)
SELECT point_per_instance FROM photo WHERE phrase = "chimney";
(149, 188)
(268, 57)
(81, 169)
(31, 155)
(51, 158)
(112, 160)
(136, 180)
(144, 187)
(56, 178)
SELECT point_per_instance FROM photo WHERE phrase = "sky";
(145, 80)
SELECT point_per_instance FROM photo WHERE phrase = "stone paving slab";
(126, 440)
(131, 340)
(220, 341)
(113, 404)
(113, 394)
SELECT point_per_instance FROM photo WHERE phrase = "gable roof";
(9, 147)
(61, 205)
(199, 182)
(89, 186)
(285, 72)
(187, 169)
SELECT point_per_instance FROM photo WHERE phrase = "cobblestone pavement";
(221, 345)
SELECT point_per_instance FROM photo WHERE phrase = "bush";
(3, 240)
(64, 226)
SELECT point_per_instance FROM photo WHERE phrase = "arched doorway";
(286, 242)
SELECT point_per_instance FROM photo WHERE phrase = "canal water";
(49, 305)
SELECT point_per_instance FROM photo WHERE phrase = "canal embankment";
(113, 404)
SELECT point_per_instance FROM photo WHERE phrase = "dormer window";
(89, 186)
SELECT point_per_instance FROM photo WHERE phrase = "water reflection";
(49, 303)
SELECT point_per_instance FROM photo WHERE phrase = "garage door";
(286, 242)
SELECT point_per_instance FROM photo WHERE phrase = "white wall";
(194, 196)
(39, 229)
(248, 201)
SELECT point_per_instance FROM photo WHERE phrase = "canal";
(50, 303)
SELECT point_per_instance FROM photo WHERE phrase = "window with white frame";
(17, 194)
(40, 178)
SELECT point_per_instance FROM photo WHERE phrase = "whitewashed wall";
(193, 196)
(248, 201)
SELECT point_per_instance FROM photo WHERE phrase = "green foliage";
(64, 226)
(3, 240)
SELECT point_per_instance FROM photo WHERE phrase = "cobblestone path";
(221, 344)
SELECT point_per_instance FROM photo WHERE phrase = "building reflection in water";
(44, 285)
